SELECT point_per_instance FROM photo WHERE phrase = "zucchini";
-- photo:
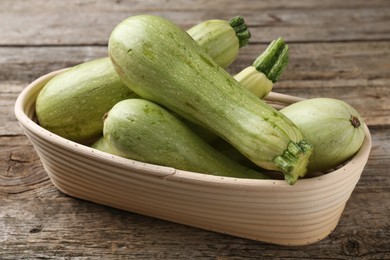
(332, 126)
(160, 62)
(252, 78)
(142, 130)
(265, 70)
(73, 103)
(102, 145)
(221, 39)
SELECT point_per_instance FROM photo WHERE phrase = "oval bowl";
(264, 210)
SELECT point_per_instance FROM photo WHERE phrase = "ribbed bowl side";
(265, 210)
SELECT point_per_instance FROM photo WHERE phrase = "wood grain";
(338, 49)
(69, 22)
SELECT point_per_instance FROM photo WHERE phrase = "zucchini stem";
(294, 160)
(273, 60)
(241, 29)
(355, 121)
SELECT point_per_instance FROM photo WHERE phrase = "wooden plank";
(315, 62)
(27, 64)
(20, 167)
(42, 222)
(43, 22)
(9, 124)
(349, 71)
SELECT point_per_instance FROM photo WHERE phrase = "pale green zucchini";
(332, 126)
(252, 78)
(102, 145)
(73, 103)
(142, 130)
(160, 62)
(265, 70)
(221, 39)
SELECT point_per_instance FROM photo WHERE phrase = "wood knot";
(36, 229)
(352, 247)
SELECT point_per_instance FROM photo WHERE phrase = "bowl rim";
(358, 160)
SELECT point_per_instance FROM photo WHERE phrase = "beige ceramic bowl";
(265, 210)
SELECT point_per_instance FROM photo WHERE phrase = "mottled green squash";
(332, 126)
(142, 130)
(160, 62)
(73, 103)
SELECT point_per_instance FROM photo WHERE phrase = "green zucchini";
(102, 145)
(265, 70)
(252, 78)
(332, 126)
(160, 62)
(73, 103)
(221, 39)
(142, 130)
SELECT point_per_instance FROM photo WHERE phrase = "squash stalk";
(239, 26)
(291, 163)
(273, 60)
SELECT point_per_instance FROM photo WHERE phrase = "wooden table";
(338, 49)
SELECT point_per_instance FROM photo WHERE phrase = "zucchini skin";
(332, 126)
(102, 145)
(254, 81)
(161, 63)
(218, 39)
(142, 130)
(73, 103)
